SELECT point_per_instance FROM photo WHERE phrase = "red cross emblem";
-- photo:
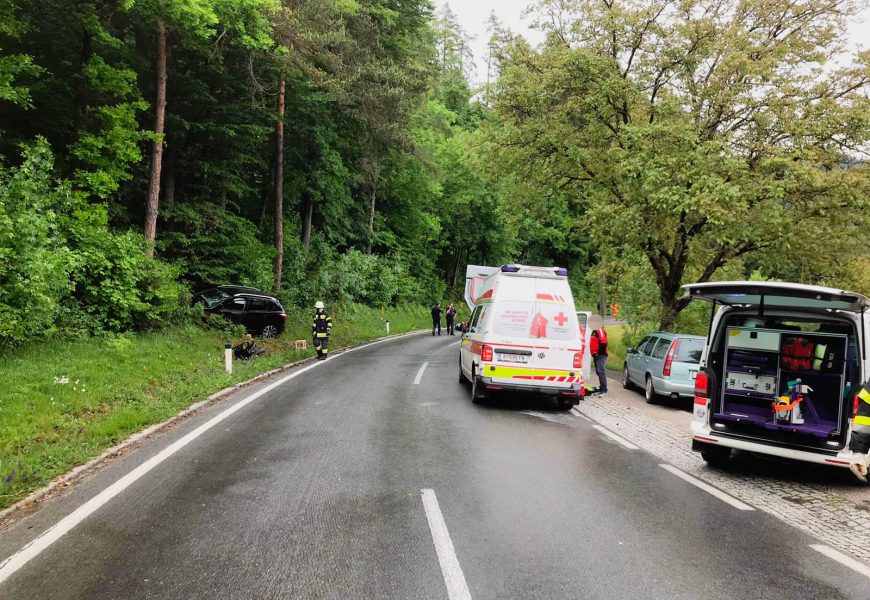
(561, 319)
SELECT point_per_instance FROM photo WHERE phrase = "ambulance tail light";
(578, 360)
(486, 353)
(855, 407)
(669, 359)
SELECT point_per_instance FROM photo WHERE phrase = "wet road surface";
(315, 490)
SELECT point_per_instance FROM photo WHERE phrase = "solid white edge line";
(457, 589)
(616, 438)
(12, 564)
(419, 376)
(843, 559)
(707, 488)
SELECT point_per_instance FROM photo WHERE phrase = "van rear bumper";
(573, 389)
(705, 437)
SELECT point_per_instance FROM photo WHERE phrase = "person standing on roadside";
(436, 318)
(598, 350)
(451, 316)
(320, 330)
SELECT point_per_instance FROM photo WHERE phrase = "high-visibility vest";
(860, 441)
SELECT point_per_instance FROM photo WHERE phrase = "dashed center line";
(618, 439)
(420, 373)
(707, 488)
(457, 589)
(846, 561)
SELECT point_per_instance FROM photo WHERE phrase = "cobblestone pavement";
(821, 501)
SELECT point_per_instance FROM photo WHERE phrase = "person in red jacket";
(598, 350)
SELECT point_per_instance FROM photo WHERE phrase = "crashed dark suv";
(215, 295)
(260, 314)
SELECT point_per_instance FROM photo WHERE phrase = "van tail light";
(669, 359)
(486, 353)
(701, 391)
(578, 360)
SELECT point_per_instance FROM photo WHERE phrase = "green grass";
(615, 347)
(120, 385)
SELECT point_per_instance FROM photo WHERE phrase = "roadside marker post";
(388, 327)
(228, 358)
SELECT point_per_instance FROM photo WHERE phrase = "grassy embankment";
(615, 346)
(116, 386)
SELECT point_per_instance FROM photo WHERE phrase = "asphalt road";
(314, 490)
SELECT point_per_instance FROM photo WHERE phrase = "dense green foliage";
(657, 142)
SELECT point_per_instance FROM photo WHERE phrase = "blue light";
(510, 269)
(561, 271)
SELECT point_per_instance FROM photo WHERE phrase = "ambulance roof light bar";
(510, 269)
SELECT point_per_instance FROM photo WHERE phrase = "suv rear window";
(689, 350)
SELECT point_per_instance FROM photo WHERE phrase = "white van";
(780, 372)
(523, 335)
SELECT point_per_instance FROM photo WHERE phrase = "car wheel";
(626, 379)
(716, 456)
(478, 394)
(270, 331)
(649, 392)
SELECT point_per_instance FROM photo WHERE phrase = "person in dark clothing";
(320, 330)
(451, 315)
(436, 318)
(598, 350)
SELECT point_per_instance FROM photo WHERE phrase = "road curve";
(314, 490)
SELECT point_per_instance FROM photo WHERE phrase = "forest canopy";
(349, 150)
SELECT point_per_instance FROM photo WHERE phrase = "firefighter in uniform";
(860, 442)
(320, 330)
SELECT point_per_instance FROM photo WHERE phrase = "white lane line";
(457, 589)
(580, 414)
(616, 438)
(420, 373)
(454, 344)
(707, 488)
(846, 561)
(12, 564)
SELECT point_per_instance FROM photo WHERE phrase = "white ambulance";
(523, 334)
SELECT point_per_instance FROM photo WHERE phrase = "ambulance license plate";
(513, 358)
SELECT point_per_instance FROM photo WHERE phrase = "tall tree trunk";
(150, 229)
(306, 221)
(279, 187)
(456, 264)
(372, 218)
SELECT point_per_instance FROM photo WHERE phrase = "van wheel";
(478, 394)
(716, 456)
(649, 391)
(626, 380)
(566, 404)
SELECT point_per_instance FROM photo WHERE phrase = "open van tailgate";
(777, 295)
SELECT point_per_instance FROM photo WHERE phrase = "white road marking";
(580, 414)
(420, 373)
(707, 488)
(846, 561)
(457, 589)
(12, 564)
(616, 438)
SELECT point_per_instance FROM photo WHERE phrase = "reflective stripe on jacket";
(860, 441)
(322, 326)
